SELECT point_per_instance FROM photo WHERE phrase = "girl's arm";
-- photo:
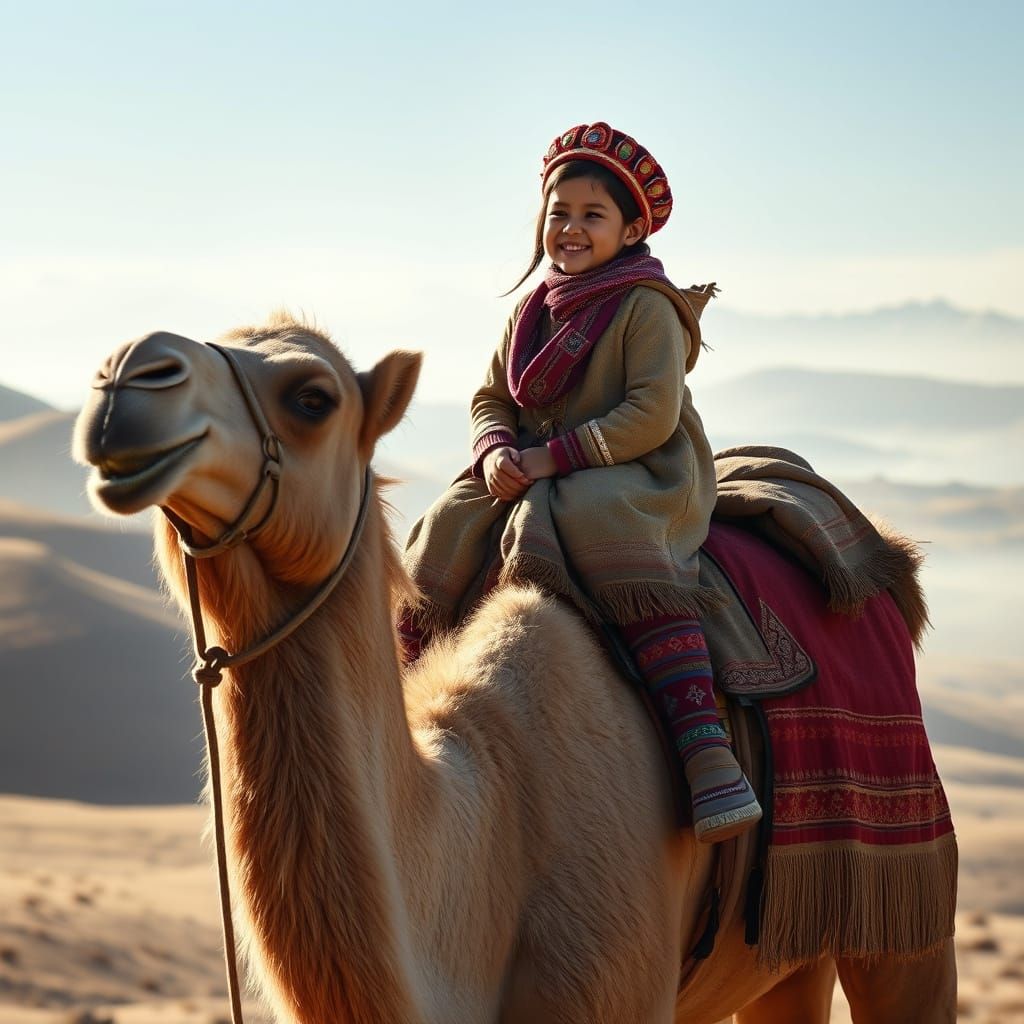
(655, 349)
(494, 413)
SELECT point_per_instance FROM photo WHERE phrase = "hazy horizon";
(65, 385)
(193, 168)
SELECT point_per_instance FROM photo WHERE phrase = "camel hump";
(522, 623)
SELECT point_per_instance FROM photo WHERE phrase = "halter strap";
(211, 661)
(270, 474)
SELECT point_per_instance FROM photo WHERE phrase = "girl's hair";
(613, 184)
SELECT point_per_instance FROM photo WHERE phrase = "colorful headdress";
(625, 157)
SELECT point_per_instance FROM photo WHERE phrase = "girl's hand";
(537, 463)
(503, 476)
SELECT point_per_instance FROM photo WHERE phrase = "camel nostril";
(108, 371)
(164, 372)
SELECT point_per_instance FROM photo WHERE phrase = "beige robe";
(619, 539)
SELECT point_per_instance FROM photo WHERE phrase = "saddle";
(812, 653)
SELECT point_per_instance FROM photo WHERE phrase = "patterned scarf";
(581, 307)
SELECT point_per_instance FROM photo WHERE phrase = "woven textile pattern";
(581, 307)
(858, 811)
(672, 656)
(623, 156)
(852, 759)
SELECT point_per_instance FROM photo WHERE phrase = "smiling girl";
(591, 474)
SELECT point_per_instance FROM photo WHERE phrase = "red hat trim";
(625, 157)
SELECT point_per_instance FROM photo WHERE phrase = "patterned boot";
(672, 656)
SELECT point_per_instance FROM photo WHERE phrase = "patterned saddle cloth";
(855, 811)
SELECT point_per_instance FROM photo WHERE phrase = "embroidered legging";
(672, 656)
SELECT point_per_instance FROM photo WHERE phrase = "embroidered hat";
(623, 155)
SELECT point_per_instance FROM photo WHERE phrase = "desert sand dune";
(16, 404)
(80, 618)
(114, 909)
(95, 706)
(36, 467)
(87, 541)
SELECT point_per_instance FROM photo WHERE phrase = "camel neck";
(320, 771)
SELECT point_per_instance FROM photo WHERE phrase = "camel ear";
(387, 389)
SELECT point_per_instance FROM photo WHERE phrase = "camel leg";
(804, 996)
(921, 991)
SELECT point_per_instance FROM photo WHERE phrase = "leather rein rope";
(211, 661)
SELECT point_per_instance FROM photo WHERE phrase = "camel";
(487, 836)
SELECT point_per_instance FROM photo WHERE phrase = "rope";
(223, 886)
(211, 661)
(208, 671)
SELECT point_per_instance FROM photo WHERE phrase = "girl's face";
(584, 228)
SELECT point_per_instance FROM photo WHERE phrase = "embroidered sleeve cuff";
(591, 442)
(488, 442)
(567, 453)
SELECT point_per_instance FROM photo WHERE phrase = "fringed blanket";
(776, 494)
(862, 860)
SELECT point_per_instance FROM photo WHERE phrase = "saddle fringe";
(905, 899)
(898, 570)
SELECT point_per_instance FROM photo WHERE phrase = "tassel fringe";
(857, 901)
(626, 603)
(525, 569)
(904, 584)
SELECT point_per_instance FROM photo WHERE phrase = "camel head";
(167, 425)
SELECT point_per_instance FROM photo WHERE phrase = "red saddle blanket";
(862, 856)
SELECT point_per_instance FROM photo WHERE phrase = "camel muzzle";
(135, 429)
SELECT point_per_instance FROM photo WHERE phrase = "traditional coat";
(618, 534)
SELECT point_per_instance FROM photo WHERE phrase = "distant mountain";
(852, 425)
(858, 403)
(93, 663)
(912, 317)
(15, 404)
(846, 424)
(932, 338)
(956, 516)
(975, 703)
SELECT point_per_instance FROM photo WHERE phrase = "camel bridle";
(270, 475)
(212, 660)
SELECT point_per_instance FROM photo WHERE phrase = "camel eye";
(314, 402)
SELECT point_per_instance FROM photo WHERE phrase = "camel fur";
(487, 837)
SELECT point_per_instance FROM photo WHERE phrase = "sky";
(193, 166)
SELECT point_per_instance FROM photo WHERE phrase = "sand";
(112, 911)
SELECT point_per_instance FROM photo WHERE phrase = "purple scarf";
(581, 307)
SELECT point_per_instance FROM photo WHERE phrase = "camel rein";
(211, 661)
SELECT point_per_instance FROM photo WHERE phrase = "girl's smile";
(585, 228)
